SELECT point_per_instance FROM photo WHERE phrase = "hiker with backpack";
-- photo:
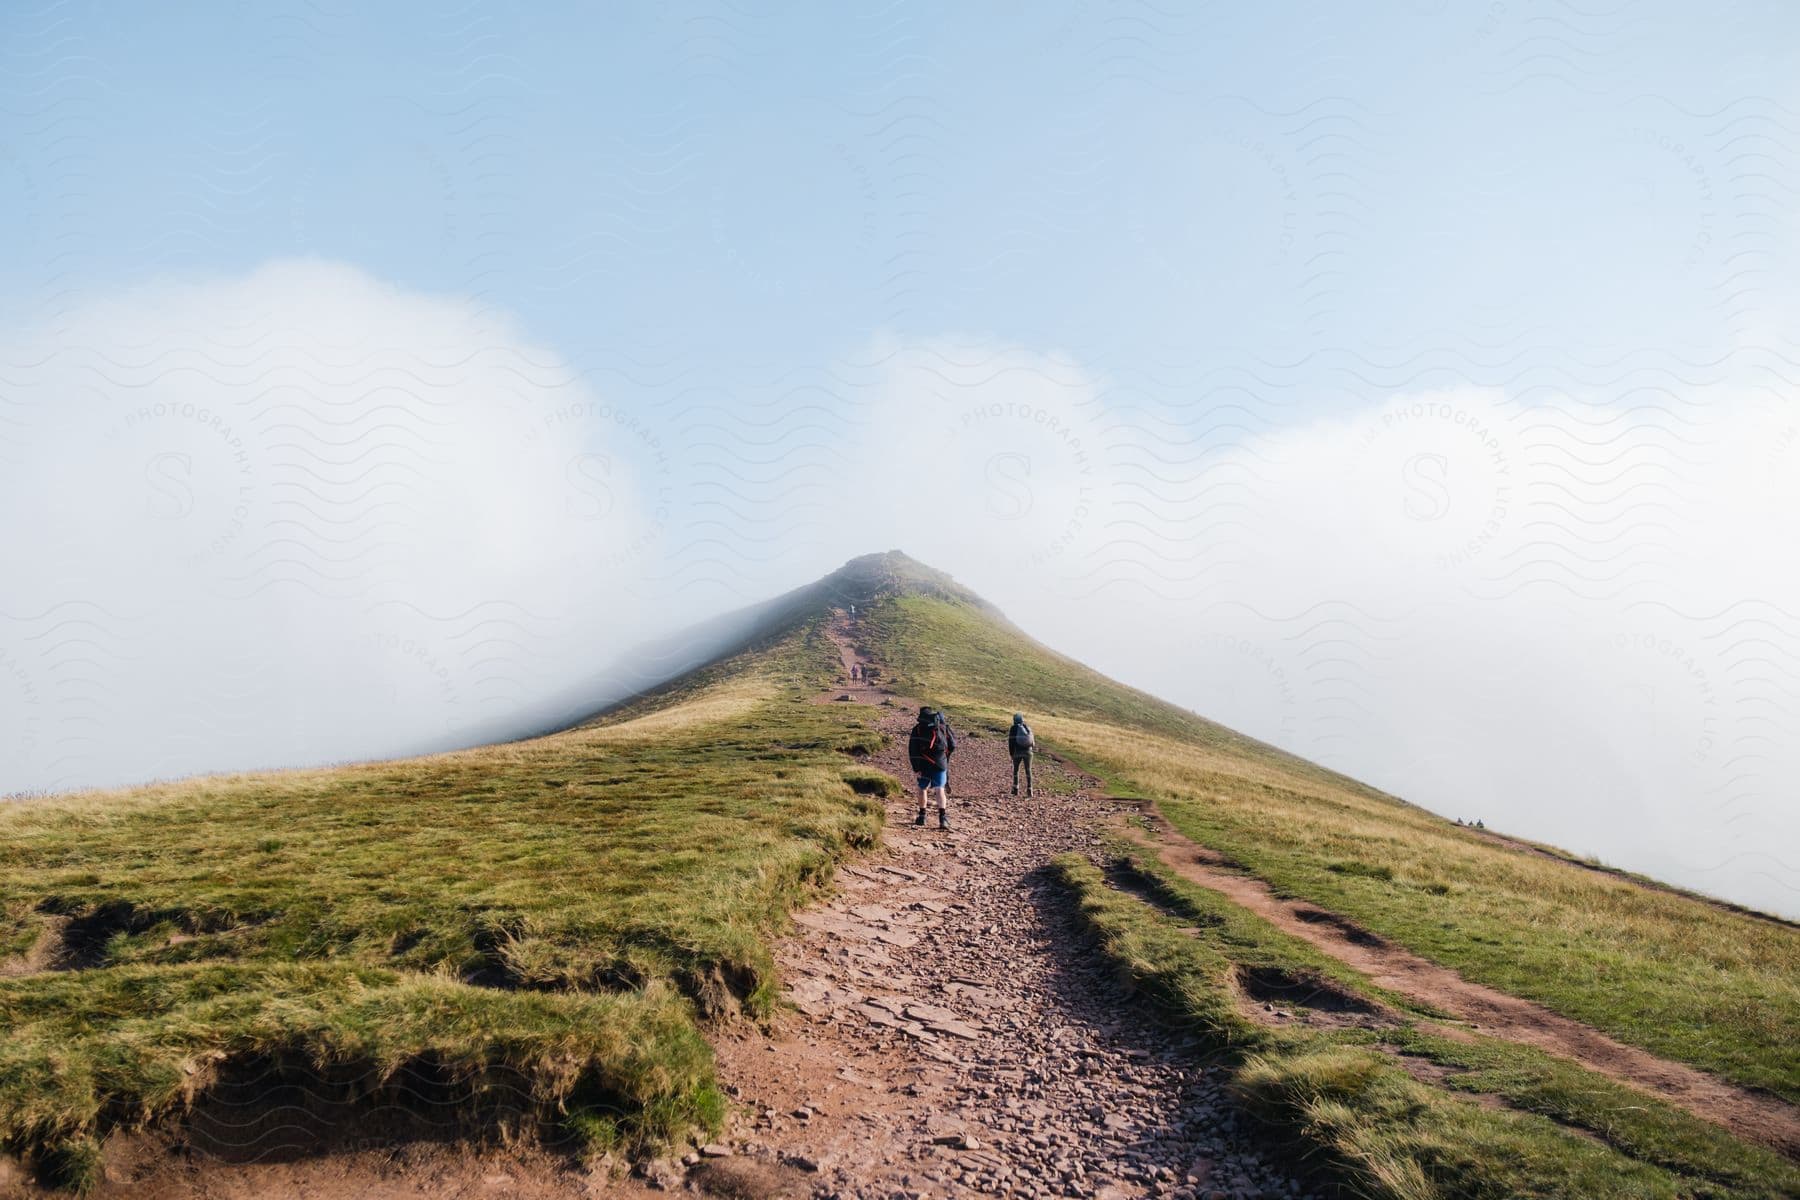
(928, 750)
(1020, 744)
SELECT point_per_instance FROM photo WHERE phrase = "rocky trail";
(951, 1036)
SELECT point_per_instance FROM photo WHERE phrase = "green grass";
(562, 909)
(1355, 1113)
(563, 914)
(1709, 1160)
(1678, 976)
(953, 649)
(945, 645)
(82, 1044)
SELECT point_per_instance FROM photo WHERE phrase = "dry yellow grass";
(728, 699)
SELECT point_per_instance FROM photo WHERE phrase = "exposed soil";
(405, 1170)
(1272, 996)
(262, 1134)
(70, 942)
(1746, 1112)
(954, 1032)
(45, 954)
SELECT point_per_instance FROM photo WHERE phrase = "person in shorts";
(928, 750)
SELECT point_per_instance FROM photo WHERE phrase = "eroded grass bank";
(1367, 1089)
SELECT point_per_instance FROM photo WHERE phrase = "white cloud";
(1571, 618)
(1573, 621)
(299, 515)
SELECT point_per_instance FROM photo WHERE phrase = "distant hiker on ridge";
(1020, 744)
(928, 749)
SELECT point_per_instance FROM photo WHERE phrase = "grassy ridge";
(1678, 976)
(555, 908)
(1351, 1106)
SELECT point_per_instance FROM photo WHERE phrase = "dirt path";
(1749, 1114)
(951, 1037)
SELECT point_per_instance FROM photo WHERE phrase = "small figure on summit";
(928, 749)
(1021, 745)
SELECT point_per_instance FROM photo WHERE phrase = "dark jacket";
(1020, 745)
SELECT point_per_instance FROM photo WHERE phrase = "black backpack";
(1019, 740)
(925, 749)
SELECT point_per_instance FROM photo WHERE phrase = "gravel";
(989, 1048)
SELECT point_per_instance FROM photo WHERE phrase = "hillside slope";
(1686, 978)
(545, 930)
(533, 926)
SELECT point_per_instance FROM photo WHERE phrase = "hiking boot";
(1016, 790)
(921, 818)
(1027, 793)
(943, 819)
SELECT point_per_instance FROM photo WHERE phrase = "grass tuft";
(869, 782)
(73, 1165)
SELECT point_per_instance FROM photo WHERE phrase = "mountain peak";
(870, 577)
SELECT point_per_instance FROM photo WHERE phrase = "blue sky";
(1407, 384)
(1113, 179)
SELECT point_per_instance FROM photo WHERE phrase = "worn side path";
(951, 1034)
(1751, 1114)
